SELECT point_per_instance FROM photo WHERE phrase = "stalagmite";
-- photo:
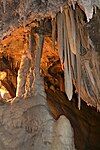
(60, 24)
(30, 77)
(63, 135)
(22, 76)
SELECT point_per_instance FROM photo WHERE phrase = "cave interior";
(64, 48)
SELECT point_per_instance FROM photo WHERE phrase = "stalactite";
(68, 79)
(73, 29)
(73, 63)
(79, 41)
(32, 44)
(26, 6)
(4, 5)
(32, 49)
(92, 82)
(96, 73)
(78, 74)
(38, 79)
(30, 77)
(73, 3)
(72, 39)
(61, 9)
(88, 88)
(88, 69)
(53, 32)
(70, 25)
(39, 54)
(67, 64)
(82, 29)
(94, 9)
(60, 32)
(24, 21)
(82, 39)
(88, 7)
(78, 65)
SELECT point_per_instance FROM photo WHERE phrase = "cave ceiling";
(18, 17)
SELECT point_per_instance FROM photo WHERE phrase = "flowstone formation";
(48, 53)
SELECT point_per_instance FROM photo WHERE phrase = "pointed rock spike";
(70, 28)
(39, 54)
(53, 32)
(4, 5)
(60, 36)
(67, 64)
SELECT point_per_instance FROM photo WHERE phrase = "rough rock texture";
(85, 122)
(28, 124)
(15, 13)
(22, 75)
(63, 135)
(88, 6)
(28, 8)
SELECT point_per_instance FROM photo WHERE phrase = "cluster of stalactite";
(77, 55)
(76, 52)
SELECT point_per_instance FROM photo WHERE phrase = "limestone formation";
(63, 135)
(49, 51)
(22, 76)
(28, 124)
